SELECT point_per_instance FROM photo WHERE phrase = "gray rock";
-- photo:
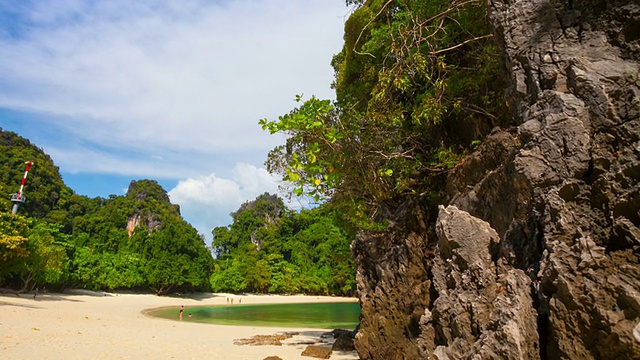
(537, 251)
(483, 309)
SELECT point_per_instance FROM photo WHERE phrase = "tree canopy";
(139, 241)
(60, 239)
(269, 248)
(416, 83)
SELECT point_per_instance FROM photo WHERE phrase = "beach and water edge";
(81, 324)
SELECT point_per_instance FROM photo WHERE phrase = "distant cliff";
(138, 241)
(148, 202)
(535, 252)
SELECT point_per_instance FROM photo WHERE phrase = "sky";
(172, 91)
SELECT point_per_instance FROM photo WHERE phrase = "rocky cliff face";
(149, 201)
(536, 253)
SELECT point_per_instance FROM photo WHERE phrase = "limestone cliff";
(535, 253)
(149, 203)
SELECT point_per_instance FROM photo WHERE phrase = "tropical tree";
(412, 79)
(271, 249)
(14, 230)
(46, 258)
(176, 258)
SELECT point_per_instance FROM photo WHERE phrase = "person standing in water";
(181, 311)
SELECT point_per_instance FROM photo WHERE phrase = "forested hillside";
(60, 239)
(14, 151)
(269, 248)
(140, 242)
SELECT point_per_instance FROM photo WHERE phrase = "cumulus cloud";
(209, 199)
(170, 89)
(195, 76)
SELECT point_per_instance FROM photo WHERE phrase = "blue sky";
(125, 90)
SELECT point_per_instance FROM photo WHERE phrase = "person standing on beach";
(181, 311)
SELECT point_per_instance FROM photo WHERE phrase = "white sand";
(85, 325)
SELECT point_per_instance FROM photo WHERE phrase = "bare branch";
(365, 27)
(461, 44)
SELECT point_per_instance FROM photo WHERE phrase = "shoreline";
(80, 324)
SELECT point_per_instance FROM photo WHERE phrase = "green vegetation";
(269, 248)
(14, 151)
(60, 239)
(140, 242)
(416, 83)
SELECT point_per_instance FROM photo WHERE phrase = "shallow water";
(316, 315)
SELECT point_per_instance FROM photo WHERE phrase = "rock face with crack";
(535, 254)
(484, 307)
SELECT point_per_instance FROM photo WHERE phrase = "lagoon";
(344, 315)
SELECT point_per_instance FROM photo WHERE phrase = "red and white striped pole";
(18, 198)
(24, 178)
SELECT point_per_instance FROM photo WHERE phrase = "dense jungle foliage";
(60, 239)
(416, 86)
(269, 248)
(140, 242)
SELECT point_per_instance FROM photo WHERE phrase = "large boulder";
(484, 308)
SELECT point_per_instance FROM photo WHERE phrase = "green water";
(317, 315)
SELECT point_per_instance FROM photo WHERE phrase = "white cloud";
(195, 76)
(208, 200)
(170, 89)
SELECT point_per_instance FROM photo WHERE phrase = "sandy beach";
(87, 325)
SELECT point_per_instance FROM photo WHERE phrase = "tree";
(271, 249)
(410, 72)
(228, 280)
(222, 243)
(14, 230)
(258, 277)
(106, 270)
(283, 275)
(176, 257)
(46, 258)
